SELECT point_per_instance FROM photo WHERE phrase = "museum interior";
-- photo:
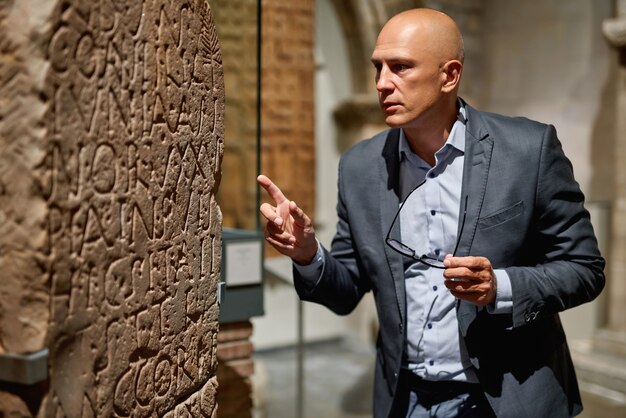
(136, 280)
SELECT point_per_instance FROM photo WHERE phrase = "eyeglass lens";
(410, 252)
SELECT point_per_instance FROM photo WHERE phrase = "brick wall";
(288, 141)
(235, 368)
(236, 22)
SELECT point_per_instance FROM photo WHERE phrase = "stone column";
(111, 141)
(601, 362)
(615, 31)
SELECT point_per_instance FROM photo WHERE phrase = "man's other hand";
(471, 279)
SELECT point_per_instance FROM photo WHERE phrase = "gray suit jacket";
(525, 213)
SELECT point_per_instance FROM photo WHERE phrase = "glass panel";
(237, 23)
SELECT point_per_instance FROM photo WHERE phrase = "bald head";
(435, 31)
(418, 59)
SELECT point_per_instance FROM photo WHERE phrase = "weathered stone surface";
(111, 140)
(24, 295)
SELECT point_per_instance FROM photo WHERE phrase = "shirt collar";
(456, 138)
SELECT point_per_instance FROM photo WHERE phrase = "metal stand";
(300, 362)
(280, 268)
(25, 369)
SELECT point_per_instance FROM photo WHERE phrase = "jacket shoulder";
(371, 144)
(504, 126)
(370, 149)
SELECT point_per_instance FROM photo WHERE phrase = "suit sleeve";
(570, 271)
(339, 287)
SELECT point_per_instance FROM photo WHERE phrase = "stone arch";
(361, 21)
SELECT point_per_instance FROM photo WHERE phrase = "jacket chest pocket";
(501, 216)
(501, 236)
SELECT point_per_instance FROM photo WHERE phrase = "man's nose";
(383, 80)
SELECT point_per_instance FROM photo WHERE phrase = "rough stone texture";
(24, 297)
(24, 294)
(111, 140)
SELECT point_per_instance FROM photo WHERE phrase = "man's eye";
(400, 67)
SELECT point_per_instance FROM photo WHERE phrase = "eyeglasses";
(410, 252)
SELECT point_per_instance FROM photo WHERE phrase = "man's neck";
(425, 140)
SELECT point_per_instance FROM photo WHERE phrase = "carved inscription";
(135, 101)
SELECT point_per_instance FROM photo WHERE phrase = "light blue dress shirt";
(429, 220)
(434, 349)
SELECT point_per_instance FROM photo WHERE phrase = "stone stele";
(111, 142)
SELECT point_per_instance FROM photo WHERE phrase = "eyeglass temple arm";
(458, 241)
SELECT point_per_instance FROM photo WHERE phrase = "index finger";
(271, 189)
(469, 262)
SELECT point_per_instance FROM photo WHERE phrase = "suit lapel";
(389, 186)
(478, 149)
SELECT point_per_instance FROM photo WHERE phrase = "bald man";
(469, 229)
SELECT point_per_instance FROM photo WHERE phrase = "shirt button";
(433, 212)
(431, 362)
(437, 251)
(431, 175)
(430, 326)
(435, 288)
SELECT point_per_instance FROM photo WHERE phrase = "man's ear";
(451, 74)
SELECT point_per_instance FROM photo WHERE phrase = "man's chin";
(394, 121)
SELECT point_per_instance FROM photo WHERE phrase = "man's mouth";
(390, 106)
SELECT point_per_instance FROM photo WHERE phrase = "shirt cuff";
(504, 294)
(312, 272)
